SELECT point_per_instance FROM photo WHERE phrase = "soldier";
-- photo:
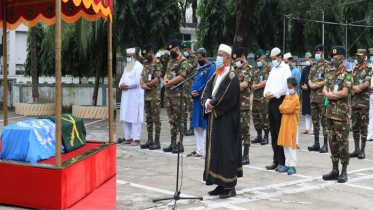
(244, 71)
(316, 82)
(360, 103)
(150, 83)
(164, 60)
(337, 88)
(192, 66)
(260, 107)
(176, 72)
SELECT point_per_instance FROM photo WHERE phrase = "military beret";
(146, 49)
(338, 50)
(238, 52)
(292, 80)
(319, 47)
(259, 54)
(173, 43)
(361, 52)
(186, 44)
(202, 51)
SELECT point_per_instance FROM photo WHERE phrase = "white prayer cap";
(225, 48)
(275, 51)
(131, 51)
(287, 55)
(308, 55)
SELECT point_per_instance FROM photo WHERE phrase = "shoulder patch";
(184, 65)
(348, 77)
(231, 75)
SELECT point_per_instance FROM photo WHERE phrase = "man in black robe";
(221, 107)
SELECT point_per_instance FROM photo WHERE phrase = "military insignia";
(348, 77)
(144, 52)
(334, 51)
(364, 72)
(330, 77)
(170, 46)
(184, 65)
(234, 55)
(370, 73)
(184, 45)
(231, 75)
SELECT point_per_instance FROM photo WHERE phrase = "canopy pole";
(110, 81)
(58, 84)
(5, 68)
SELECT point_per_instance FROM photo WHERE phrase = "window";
(187, 37)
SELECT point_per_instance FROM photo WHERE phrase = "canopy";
(30, 12)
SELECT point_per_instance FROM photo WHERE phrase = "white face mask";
(167, 52)
(129, 59)
(308, 63)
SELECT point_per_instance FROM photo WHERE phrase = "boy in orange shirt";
(289, 126)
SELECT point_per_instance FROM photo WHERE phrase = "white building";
(17, 50)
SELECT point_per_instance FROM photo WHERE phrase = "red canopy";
(30, 12)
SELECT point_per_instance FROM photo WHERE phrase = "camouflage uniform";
(360, 107)
(152, 99)
(177, 66)
(192, 66)
(337, 114)
(245, 74)
(164, 60)
(260, 105)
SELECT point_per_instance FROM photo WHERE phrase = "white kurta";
(132, 102)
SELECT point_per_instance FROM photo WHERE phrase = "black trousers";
(274, 116)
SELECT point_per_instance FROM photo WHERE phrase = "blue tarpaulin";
(29, 140)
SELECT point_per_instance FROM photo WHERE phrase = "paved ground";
(143, 175)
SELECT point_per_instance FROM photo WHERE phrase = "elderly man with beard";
(132, 102)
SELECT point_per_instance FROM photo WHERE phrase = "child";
(289, 126)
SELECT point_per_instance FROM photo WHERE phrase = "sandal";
(191, 154)
(197, 155)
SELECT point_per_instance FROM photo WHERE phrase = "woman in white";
(132, 102)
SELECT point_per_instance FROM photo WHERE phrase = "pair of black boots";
(359, 153)
(259, 139)
(174, 149)
(150, 144)
(334, 174)
(316, 146)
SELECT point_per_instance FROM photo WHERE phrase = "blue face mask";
(259, 64)
(331, 59)
(239, 64)
(355, 61)
(186, 54)
(291, 91)
(371, 58)
(318, 57)
(219, 62)
(275, 63)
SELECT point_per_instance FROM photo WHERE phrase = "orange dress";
(289, 121)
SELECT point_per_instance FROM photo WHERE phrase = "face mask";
(355, 61)
(239, 64)
(331, 59)
(360, 60)
(259, 64)
(173, 54)
(291, 91)
(275, 63)
(371, 58)
(219, 62)
(318, 57)
(337, 63)
(308, 63)
(167, 52)
(201, 63)
(129, 59)
(186, 54)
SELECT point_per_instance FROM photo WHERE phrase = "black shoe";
(228, 193)
(146, 145)
(324, 149)
(264, 141)
(175, 150)
(258, 138)
(245, 160)
(154, 146)
(217, 191)
(190, 132)
(361, 155)
(354, 154)
(120, 140)
(370, 140)
(343, 177)
(168, 149)
(333, 175)
(273, 166)
(316, 145)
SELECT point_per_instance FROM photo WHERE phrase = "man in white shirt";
(275, 91)
(132, 101)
